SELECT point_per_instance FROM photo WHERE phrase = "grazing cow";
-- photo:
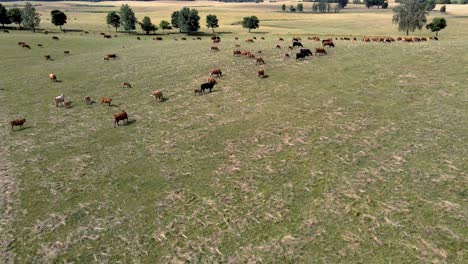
(111, 56)
(297, 44)
(55, 38)
(251, 55)
(107, 36)
(183, 38)
(121, 116)
(286, 56)
(59, 100)
(328, 43)
(158, 95)
(237, 53)
(249, 40)
(327, 39)
(254, 37)
(47, 57)
(423, 39)
(26, 46)
(290, 47)
(126, 84)
(67, 104)
(245, 53)
(259, 61)
(105, 100)
(6, 31)
(216, 72)
(39, 45)
(213, 37)
(17, 122)
(197, 91)
(199, 38)
(375, 39)
(262, 38)
(102, 34)
(236, 38)
(86, 32)
(52, 77)
(354, 39)
(320, 51)
(216, 41)
(306, 52)
(159, 38)
(281, 39)
(138, 38)
(300, 56)
(66, 52)
(208, 85)
(278, 46)
(416, 39)
(88, 100)
(346, 38)
(366, 39)
(408, 39)
(261, 73)
(214, 48)
(399, 38)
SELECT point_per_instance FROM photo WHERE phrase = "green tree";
(15, 16)
(431, 4)
(212, 22)
(437, 24)
(31, 18)
(300, 8)
(4, 19)
(113, 19)
(342, 3)
(147, 26)
(251, 22)
(385, 5)
(188, 21)
(127, 18)
(165, 25)
(410, 15)
(371, 3)
(443, 9)
(175, 20)
(58, 18)
(292, 9)
(283, 7)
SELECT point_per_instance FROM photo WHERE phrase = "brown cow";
(157, 95)
(17, 122)
(281, 39)
(278, 46)
(259, 61)
(21, 43)
(366, 39)
(25, 46)
(47, 57)
(121, 116)
(245, 53)
(261, 73)
(67, 104)
(320, 51)
(328, 43)
(262, 38)
(255, 38)
(55, 38)
(237, 46)
(106, 100)
(216, 72)
(66, 52)
(88, 100)
(216, 40)
(126, 84)
(237, 53)
(214, 48)
(52, 77)
(251, 55)
(183, 38)
(112, 56)
(287, 56)
(249, 40)
(423, 39)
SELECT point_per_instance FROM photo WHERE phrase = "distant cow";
(328, 43)
(47, 57)
(107, 36)
(21, 43)
(306, 52)
(17, 122)
(59, 100)
(159, 38)
(208, 85)
(138, 38)
(216, 41)
(237, 53)
(262, 38)
(366, 39)
(300, 56)
(281, 39)
(261, 73)
(39, 45)
(66, 52)
(106, 100)
(278, 46)
(52, 77)
(67, 104)
(216, 72)
(88, 100)
(158, 95)
(6, 31)
(183, 38)
(111, 56)
(320, 51)
(121, 116)
(26, 46)
(249, 40)
(55, 38)
(255, 38)
(251, 55)
(290, 47)
(126, 84)
(286, 56)
(214, 48)
(259, 61)
(199, 38)
(297, 44)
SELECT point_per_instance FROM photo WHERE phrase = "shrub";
(443, 9)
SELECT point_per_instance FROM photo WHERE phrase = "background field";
(358, 156)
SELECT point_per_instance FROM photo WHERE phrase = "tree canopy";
(15, 16)
(164, 25)
(127, 18)
(147, 26)
(175, 19)
(31, 18)
(113, 19)
(251, 22)
(410, 15)
(212, 22)
(58, 18)
(437, 24)
(4, 19)
(188, 20)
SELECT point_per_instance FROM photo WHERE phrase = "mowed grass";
(358, 156)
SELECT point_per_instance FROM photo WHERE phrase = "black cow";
(300, 56)
(306, 52)
(297, 44)
(208, 85)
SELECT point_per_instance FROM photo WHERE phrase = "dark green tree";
(292, 9)
(15, 16)
(31, 18)
(251, 22)
(385, 5)
(443, 9)
(342, 3)
(4, 19)
(300, 8)
(410, 15)
(175, 20)
(212, 22)
(58, 18)
(113, 19)
(283, 7)
(127, 18)
(165, 25)
(147, 26)
(431, 4)
(189, 21)
(437, 24)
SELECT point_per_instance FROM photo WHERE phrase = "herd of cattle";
(302, 54)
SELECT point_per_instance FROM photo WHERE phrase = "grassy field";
(355, 157)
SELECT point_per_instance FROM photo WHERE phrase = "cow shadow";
(164, 99)
(265, 76)
(114, 105)
(58, 81)
(130, 122)
(21, 128)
